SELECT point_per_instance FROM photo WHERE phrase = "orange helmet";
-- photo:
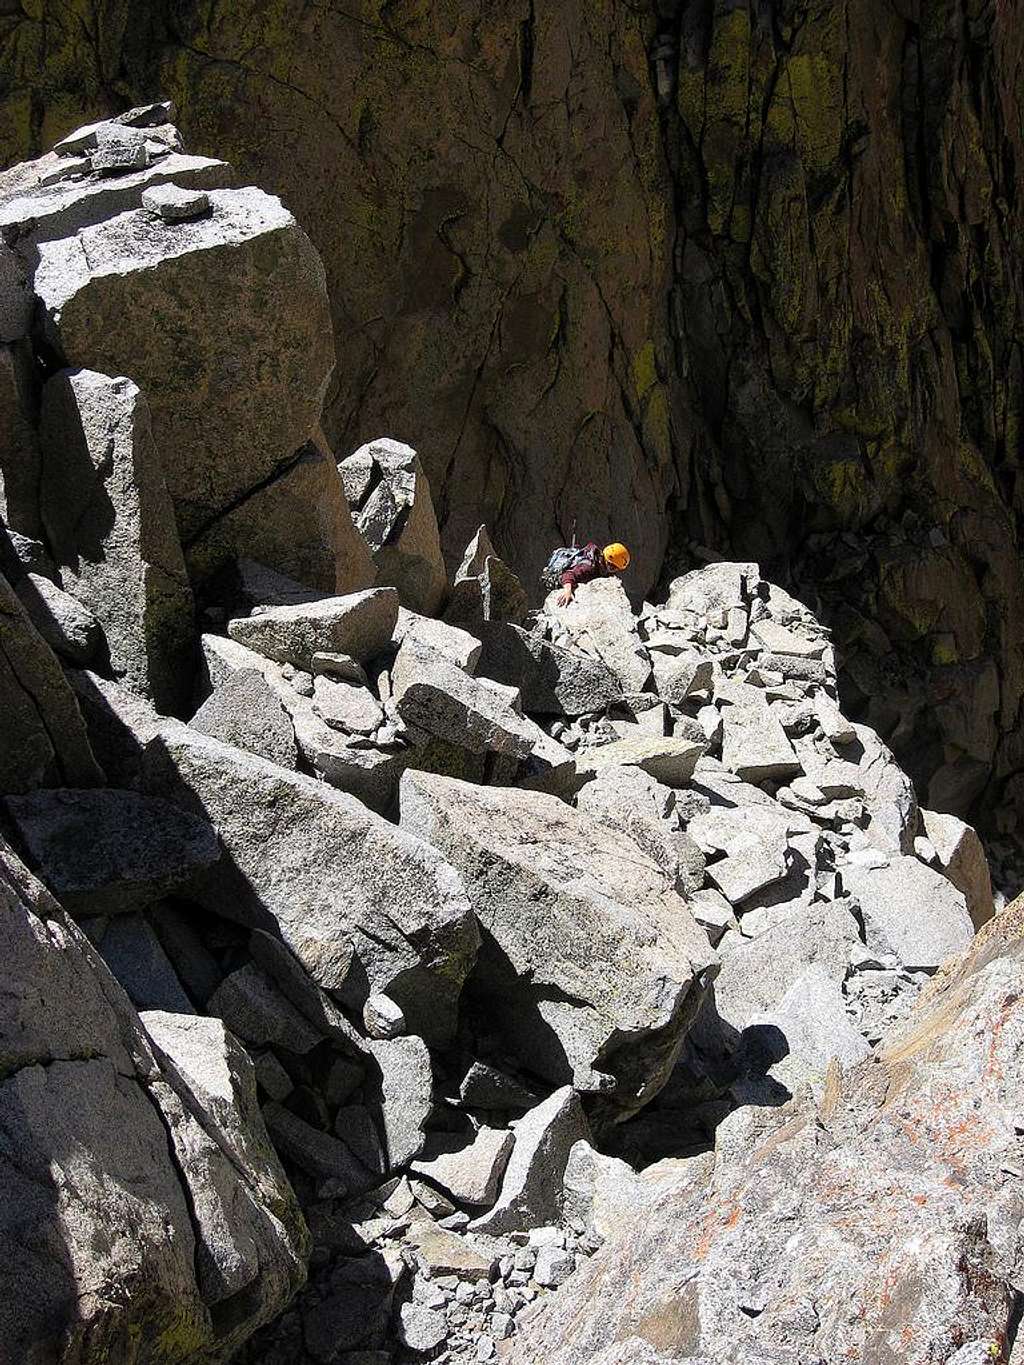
(617, 555)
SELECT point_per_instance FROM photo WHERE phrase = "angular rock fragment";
(754, 744)
(84, 139)
(459, 646)
(351, 763)
(254, 1009)
(600, 621)
(346, 706)
(45, 738)
(139, 1272)
(485, 1087)
(118, 721)
(470, 1171)
(354, 1125)
(67, 627)
(591, 966)
(405, 1095)
(433, 695)
(360, 624)
(194, 965)
(313, 1151)
(395, 515)
(252, 1239)
(105, 852)
(679, 674)
(485, 588)
(442, 1253)
(910, 910)
(110, 526)
(287, 973)
(383, 1017)
(755, 976)
(554, 680)
(419, 1328)
(531, 1191)
(332, 875)
(670, 761)
(241, 295)
(118, 150)
(244, 711)
(962, 860)
(174, 203)
(135, 956)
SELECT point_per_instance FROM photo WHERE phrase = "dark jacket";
(592, 565)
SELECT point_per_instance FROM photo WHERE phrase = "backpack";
(565, 557)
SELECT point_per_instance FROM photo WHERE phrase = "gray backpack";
(565, 557)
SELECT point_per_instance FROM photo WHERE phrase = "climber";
(590, 562)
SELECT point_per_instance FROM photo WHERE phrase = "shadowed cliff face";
(739, 273)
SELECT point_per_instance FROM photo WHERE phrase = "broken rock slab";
(395, 515)
(485, 588)
(252, 1239)
(756, 974)
(469, 1170)
(106, 852)
(67, 627)
(432, 695)
(137, 959)
(600, 621)
(362, 905)
(45, 742)
(246, 712)
(911, 910)
(531, 1192)
(462, 648)
(591, 966)
(404, 1094)
(962, 860)
(671, 760)
(139, 1271)
(754, 745)
(360, 624)
(554, 680)
(175, 203)
(241, 296)
(110, 525)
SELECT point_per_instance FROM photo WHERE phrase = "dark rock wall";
(738, 273)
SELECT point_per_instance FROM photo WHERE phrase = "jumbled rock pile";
(433, 905)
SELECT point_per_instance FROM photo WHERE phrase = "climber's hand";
(565, 596)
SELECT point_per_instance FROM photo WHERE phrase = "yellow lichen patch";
(974, 466)
(842, 485)
(690, 99)
(645, 373)
(816, 91)
(728, 87)
(657, 427)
